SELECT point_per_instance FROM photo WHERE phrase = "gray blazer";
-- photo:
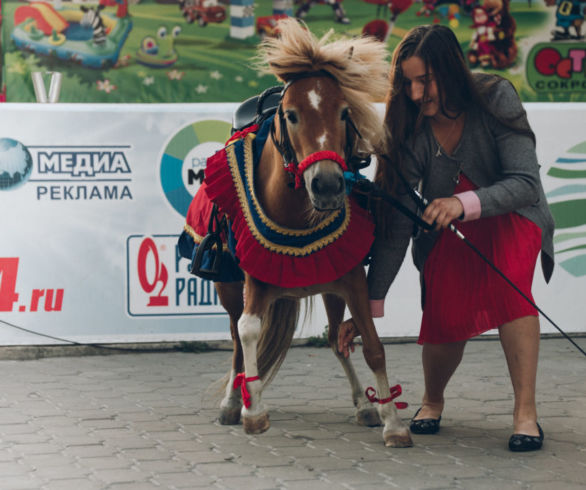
(501, 163)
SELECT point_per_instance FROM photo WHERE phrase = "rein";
(285, 148)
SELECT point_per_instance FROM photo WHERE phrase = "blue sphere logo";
(16, 164)
(184, 160)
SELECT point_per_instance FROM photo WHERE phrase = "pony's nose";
(327, 185)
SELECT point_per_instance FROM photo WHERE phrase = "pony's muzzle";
(326, 185)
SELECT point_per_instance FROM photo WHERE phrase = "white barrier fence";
(93, 197)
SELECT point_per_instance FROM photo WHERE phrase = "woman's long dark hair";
(459, 91)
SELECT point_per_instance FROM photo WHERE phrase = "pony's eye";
(291, 117)
(345, 113)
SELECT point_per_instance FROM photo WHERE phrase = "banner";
(94, 197)
(120, 51)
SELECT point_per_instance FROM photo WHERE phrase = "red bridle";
(318, 156)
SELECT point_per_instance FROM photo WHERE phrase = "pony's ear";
(350, 52)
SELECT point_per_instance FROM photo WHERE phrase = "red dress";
(464, 296)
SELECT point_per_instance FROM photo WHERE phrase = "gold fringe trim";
(274, 247)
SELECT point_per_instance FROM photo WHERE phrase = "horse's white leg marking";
(231, 393)
(249, 331)
(395, 433)
(231, 403)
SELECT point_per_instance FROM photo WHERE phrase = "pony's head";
(326, 117)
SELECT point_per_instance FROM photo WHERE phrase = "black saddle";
(256, 109)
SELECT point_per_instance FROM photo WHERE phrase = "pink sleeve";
(377, 308)
(471, 204)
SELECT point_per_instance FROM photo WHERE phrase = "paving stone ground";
(148, 421)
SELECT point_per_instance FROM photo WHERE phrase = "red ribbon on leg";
(395, 391)
(240, 382)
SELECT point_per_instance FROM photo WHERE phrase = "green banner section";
(569, 214)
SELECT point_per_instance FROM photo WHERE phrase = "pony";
(301, 235)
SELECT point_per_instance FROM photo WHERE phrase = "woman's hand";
(443, 211)
(346, 333)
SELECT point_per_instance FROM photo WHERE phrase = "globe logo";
(16, 164)
(184, 160)
(568, 206)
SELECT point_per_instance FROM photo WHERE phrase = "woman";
(465, 141)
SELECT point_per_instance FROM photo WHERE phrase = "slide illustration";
(47, 19)
(88, 36)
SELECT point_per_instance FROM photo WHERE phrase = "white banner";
(93, 198)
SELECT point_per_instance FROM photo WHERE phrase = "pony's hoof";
(256, 424)
(368, 417)
(230, 416)
(397, 440)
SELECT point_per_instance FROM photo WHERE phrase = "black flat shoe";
(424, 426)
(523, 443)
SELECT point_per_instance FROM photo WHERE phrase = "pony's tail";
(278, 327)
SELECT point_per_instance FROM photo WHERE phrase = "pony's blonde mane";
(359, 65)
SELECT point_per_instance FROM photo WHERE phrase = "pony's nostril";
(315, 186)
(327, 186)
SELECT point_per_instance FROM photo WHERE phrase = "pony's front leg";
(254, 415)
(366, 413)
(395, 432)
(255, 418)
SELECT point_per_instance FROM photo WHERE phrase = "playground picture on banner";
(204, 50)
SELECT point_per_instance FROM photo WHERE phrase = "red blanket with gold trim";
(265, 250)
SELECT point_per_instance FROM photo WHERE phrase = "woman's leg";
(439, 363)
(520, 341)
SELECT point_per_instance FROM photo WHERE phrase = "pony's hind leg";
(230, 295)
(366, 413)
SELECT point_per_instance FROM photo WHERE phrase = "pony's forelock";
(359, 65)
